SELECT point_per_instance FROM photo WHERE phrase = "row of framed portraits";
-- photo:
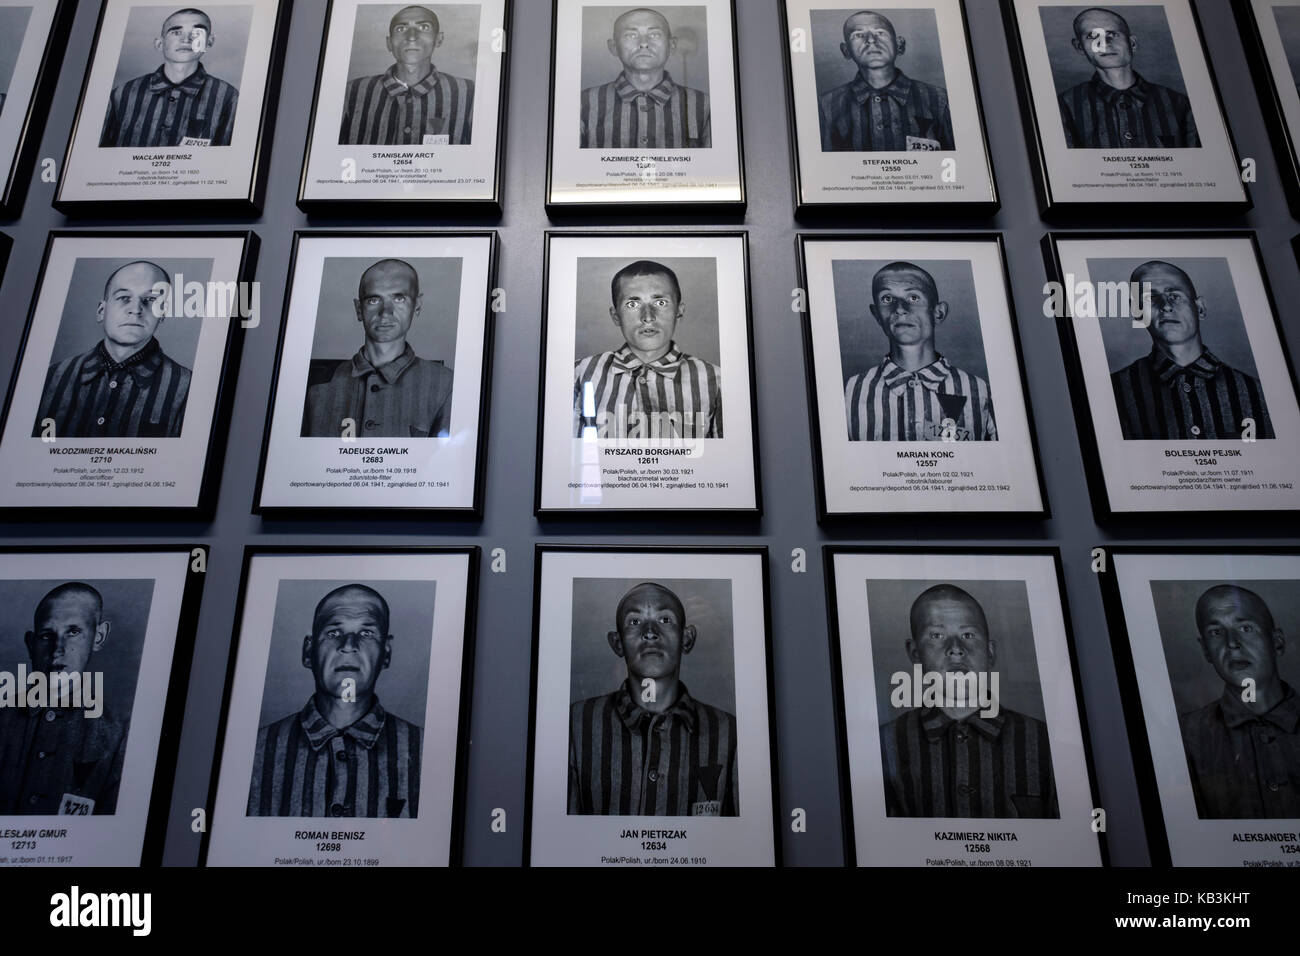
(120, 400)
(960, 732)
(178, 106)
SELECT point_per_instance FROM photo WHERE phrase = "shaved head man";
(649, 748)
(180, 103)
(360, 760)
(1181, 390)
(1117, 108)
(914, 393)
(385, 389)
(1243, 748)
(59, 759)
(937, 760)
(125, 386)
(412, 103)
(643, 107)
(881, 109)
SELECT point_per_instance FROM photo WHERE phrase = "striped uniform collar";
(631, 713)
(661, 92)
(396, 87)
(932, 376)
(625, 360)
(899, 88)
(143, 364)
(935, 723)
(1139, 91)
(364, 731)
(190, 86)
(391, 371)
(1206, 366)
(1285, 715)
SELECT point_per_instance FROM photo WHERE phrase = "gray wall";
(805, 723)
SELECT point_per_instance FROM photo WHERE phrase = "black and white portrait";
(57, 758)
(1189, 374)
(912, 351)
(384, 349)
(645, 78)
(880, 81)
(646, 349)
(334, 645)
(121, 368)
(1117, 76)
(982, 711)
(411, 75)
(190, 97)
(652, 726)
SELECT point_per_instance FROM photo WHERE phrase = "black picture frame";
(1129, 688)
(1083, 213)
(741, 513)
(837, 668)
(412, 208)
(485, 386)
(835, 212)
(1075, 378)
(473, 554)
(726, 209)
(37, 109)
(810, 377)
(541, 548)
(177, 691)
(219, 427)
(1270, 102)
(249, 205)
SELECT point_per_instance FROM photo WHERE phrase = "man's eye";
(886, 298)
(913, 298)
(661, 302)
(74, 630)
(1248, 628)
(399, 298)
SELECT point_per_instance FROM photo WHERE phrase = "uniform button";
(654, 775)
(113, 384)
(962, 735)
(644, 140)
(1128, 135)
(1187, 386)
(876, 97)
(965, 789)
(99, 421)
(342, 755)
(1274, 787)
(33, 799)
(374, 388)
(406, 129)
(371, 423)
(880, 126)
(49, 715)
(336, 810)
(1195, 429)
(913, 383)
(41, 755)
(1266, 737)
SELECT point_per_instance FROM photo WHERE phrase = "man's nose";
(954, 648)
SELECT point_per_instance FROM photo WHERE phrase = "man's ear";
(1279, 642)
(99, 312)
(306, 652)
(688, 638)
(356, 304)
(1078, 45)
(672, 45)
(1200, 307)
(681, 311)
(613, 47)
(993, 651)
(613, 314)
(419, 299)
(388, 42)
(844, 51)
(388, 650)
(902, 45)
(1205, 651)
(157, 44)
(438, 42)
(874, 314)
(615, 642)
(1133, 43)
(101, 635)
(29, 641)
(940, 312)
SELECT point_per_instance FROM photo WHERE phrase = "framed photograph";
(653, 740)
(643, 336)
(177, 107)
(1123, 108)
(1185, 395)
(885, 109)
(916, 383)
(379, 399)
(409, 109)
(121, 398)
(1210, 699)
(645, 107)
(962, 739)
(305, 732)
(92, 671)
(1270, 30)
(31, 51)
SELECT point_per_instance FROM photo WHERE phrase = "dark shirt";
(905, 115)
(304, 766)
(59, 761)
(1144, 116)
(999, 766)
(1158, 399)
(617, 115)
(382, 110)
(627, 761)
(409, 397)
(1243, 766)
(92, 396)
(151, 110)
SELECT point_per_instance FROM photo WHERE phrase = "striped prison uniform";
(90, 395)
(1144, 116)
(675, 396)
(616, 115)
(409, 397)
(151, 110)
(625, 761)
(888, 403)
(306, 767)
(935, 766)
(1160, 400)
(905, 115)
(383, 111)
